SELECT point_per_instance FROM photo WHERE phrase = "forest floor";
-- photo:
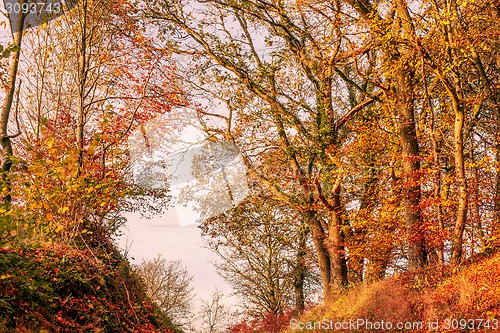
(438, 299)
(51, 287)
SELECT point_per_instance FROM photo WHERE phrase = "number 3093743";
(34, 7)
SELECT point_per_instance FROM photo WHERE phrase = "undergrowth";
(53, 287)
(445, 298)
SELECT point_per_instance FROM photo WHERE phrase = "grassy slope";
(56, 288)
(471, 291)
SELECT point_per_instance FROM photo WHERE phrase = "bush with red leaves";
(56, 288)
(270, 324)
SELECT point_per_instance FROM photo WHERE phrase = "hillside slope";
(439, 299)
(56, 288)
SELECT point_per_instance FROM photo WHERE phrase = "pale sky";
(175, 234)
(145, 238)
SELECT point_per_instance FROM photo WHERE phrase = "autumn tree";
(461, 99)
(264, 255)
(10, 86)
(78, 107)
(168, 284)
(358, 115)
(290, 92)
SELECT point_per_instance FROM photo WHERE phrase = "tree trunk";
(458, 230)
(5, 138)
(496, 213)
(319, 236)
(437, 254)
(336, 246)
(403, 93)
(300, 271)
(417, 255)
(83, 64)
(336, 250)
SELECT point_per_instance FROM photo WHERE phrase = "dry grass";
(470, 292)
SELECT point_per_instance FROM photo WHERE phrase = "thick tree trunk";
(336, 249)
(405, 104)
(329, 243)
(417, 255)
(331, 255)
(336, 246)
(403, 93)
(319, 236)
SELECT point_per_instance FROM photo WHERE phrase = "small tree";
(168, 283)
(264, 255)
(216, 317)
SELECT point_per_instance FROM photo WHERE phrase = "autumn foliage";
(71, 170)
(372, 127)
(376, 122)
(56, 288)
(271, 323)
(85, 81)
(449, 295)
